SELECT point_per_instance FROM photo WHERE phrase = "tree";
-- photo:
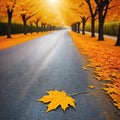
(9, 5)
(93, 11)
(81, 15)
(118, 37)
(84, 15)
(36, 21)
(103, 6)
(26, 11)
(79, 23)
(43, 26)
(114, 15)
(84, 20)
(31, 24)
(76, 27)
(10, 13)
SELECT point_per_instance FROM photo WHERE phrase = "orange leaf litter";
(104, 57)
(18, 39)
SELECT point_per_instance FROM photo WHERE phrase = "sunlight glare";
(52, 1)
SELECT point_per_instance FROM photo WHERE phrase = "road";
(47, 63)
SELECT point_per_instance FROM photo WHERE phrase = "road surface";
(47, 63)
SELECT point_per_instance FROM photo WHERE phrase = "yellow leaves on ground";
(17, 39)
(91, 87)
(84, 67)
(113, 90)
(57, 98)
(104, 57)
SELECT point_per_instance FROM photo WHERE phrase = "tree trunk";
(41, 27)
(48, 27)
(73, 27)
(44, 27)
(9, 23)
(93, 27)
(24, 23)
(101, 25)
(118, 37)
(78, 27)
(31, 28)
(37, 27)
(101, 30)
(25, 27)
(83, 27)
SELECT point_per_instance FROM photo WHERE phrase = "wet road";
(48, 63)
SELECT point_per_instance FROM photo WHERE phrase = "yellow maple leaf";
(84, 67)
(91, 87)
(57, 98)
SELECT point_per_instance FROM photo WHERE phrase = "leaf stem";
(73, 94)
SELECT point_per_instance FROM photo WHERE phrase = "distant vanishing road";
(47, 63)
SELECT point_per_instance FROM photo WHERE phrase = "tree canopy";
(57, 12)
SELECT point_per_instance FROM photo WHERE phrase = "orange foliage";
(114, 11)
(57, 13)
(104, 58)
(17, 39)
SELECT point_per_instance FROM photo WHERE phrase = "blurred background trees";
(100, 16)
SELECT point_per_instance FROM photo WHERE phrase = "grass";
(110, 28)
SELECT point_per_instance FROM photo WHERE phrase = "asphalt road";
(47, 63)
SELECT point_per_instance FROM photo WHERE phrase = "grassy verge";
(110, 28)
(104, 58)
(16, 28)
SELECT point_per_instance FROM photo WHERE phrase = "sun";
(52, 1)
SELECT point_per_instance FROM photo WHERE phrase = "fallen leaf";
(91, 87)
(117, 105)
(84, 67)
(97, 77)
(57, 98)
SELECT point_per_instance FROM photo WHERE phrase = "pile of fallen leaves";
(17, 39)
(104, 57)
